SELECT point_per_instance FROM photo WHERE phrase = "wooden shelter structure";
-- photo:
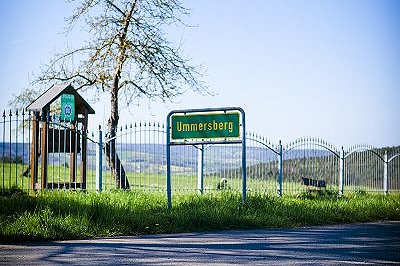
(45, 141)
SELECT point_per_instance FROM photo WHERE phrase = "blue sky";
(329, 69)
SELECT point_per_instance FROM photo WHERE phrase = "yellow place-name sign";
(205, 126)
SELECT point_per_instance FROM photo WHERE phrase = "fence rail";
(135, 158)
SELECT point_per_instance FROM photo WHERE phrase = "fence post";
(341, 174)
(385, 173)
(99, 161)
(244, 165)
(168, 144)
(200, 169)
(280, 169)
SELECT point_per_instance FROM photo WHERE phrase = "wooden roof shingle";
(43, 102)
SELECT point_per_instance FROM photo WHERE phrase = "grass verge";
(57, 215)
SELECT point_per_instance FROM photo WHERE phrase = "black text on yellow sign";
(205, 126)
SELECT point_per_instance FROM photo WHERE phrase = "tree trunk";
(112, 157)
(113, 160)
(115, 163)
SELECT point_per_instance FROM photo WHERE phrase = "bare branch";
(115, 7)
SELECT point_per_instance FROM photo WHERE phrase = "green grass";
(146, 181)
(11, 177)
(75, 215)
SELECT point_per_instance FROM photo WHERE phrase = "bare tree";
(128, 56)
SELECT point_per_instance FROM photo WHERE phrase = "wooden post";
(34, 151)
(44, 148)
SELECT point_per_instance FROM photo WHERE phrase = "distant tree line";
(9, 159)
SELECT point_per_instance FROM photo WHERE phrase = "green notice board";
(67, 107)
(205, 126)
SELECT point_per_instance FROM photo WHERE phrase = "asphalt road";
(356, 244)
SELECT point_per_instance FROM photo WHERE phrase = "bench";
(316, 184)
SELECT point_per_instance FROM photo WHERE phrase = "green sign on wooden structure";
(67, 107)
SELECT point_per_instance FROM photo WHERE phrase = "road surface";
(355, 244)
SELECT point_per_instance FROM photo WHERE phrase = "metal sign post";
(206, 126)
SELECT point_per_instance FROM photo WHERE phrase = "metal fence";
(310, 158)
(135, 158)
